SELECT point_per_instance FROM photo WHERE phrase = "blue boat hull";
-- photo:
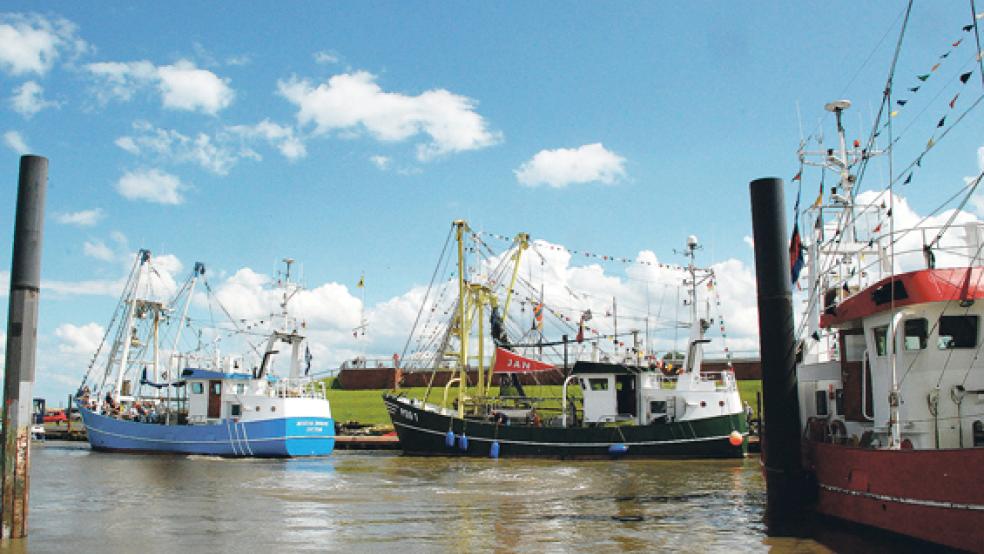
(270, 438)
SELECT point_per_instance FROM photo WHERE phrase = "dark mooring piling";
(787, 487)
(22, 330)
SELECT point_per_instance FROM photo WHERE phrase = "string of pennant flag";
(590, 255)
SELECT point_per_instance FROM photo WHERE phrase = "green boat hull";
(425, 433)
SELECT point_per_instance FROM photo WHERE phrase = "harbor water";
(357, 501)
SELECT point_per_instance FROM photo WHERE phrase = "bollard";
(22, 330)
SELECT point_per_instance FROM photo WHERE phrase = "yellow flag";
(362, 282)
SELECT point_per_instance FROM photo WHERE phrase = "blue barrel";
(494, 450)
(463, 442)
(618, 449)
(449, 439)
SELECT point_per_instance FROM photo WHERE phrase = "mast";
(143, 257)
(460, 228)
(199, 270)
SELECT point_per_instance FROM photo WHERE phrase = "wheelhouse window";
(240, 388)
(598, 384)
(216, 388)
(958, 331)
(916, 331)
(821, 396)
(236, 410)
(880, 334)
(197, 388)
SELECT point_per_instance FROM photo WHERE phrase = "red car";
(57, 416)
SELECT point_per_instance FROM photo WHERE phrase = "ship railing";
(301, 387)
(723, 380)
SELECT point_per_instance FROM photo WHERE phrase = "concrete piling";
(22, 329)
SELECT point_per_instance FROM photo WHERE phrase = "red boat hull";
(933, 495)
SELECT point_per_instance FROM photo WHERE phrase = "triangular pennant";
(934, 68)
(798, 176)
(954, 101)
(877, 229)
(919, 161)
(923, 77)
(914, 89)
(942, 121)
(967, 28)
(901, 102)
(931, 143)
(955, 44)
(895, 113)
(907, 180)
(965, 77)
(889, 214)
(944, 56)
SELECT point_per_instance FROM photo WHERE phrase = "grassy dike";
(366, 406)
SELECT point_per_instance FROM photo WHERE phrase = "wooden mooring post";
(22, 331)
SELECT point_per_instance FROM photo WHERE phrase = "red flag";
(798, 176)
(954, 101)
(877, 229)
(510, 362)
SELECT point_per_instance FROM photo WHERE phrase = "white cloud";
(239, 60)
(15, 142)
(183, 86)
(151, 185)
(352, 101)
(81, 340)
(84, 218)
(28, 99)
(214, 155)
(749, 241)
(280, 136)
(564, 166)
(31, 43)
(381, 162)
(98, 250)
(186, 87)
(324, 57)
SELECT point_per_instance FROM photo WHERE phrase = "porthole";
(257, 408)
(273, 408)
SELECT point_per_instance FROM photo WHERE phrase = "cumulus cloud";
(214, 155)
(324, 57)
(16, 142)
(182, 85)
(151, 185)
(281, 137)
(80, 340)
(564, 166)
(352, 102)
(28, 99)
(186, 87)
(31, 43)
(381, 162)
(83, 218)
(98, 250)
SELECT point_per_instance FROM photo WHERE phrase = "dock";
(367, 442)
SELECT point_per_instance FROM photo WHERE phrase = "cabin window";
(216, 388)
(821, 396)
(958, 331)
(240, 388)
(880, 334)
(916, 331)
(235, 410)
(598, 384)
(197, 388)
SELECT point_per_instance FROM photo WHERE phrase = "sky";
(349, 136)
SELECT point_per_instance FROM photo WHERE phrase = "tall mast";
(143, 256)
(199, 270)
(460, 228)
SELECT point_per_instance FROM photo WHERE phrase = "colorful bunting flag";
(914, 89)
(955, 44)
(893, 114)
(907, 180)
(923, 77)
(901, 102)
(942, 121)
(931, 143)
(967, 28)
(945, 56)
(965, 77)
(954, 101)
(798, 176)
(934, 68)
(877, 229)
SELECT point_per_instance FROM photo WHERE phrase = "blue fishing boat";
(212, 405)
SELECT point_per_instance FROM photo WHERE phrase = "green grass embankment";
(366, 406)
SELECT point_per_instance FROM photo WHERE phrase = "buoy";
(449, 439)
(463, 442)
(618, 449)
(735, 438)
(494, 450)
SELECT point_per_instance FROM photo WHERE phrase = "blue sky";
(350, 135)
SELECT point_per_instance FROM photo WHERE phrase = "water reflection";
(362, 501)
